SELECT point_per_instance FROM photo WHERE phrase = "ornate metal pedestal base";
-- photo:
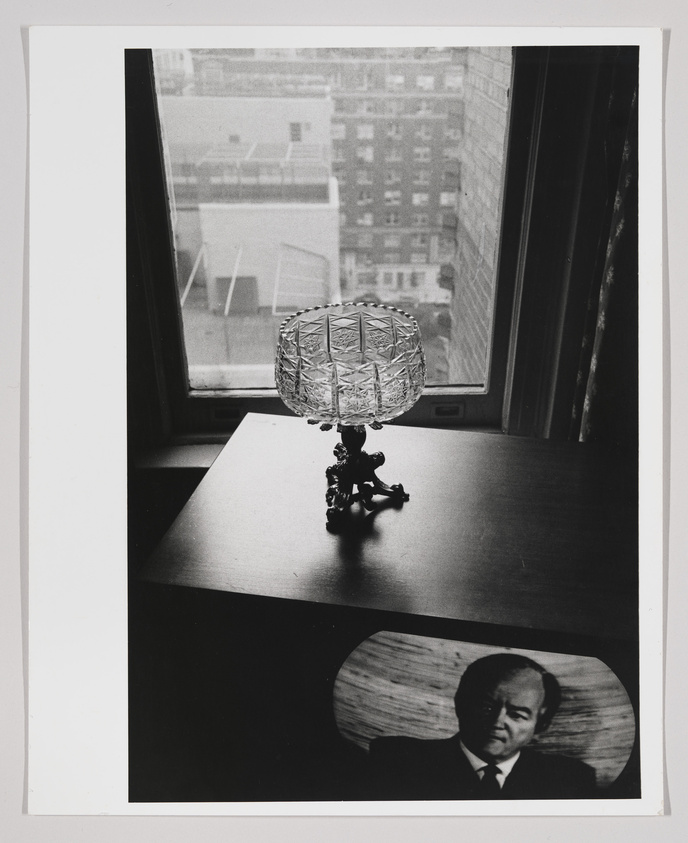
(354, 467)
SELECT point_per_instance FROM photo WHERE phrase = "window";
(195, 304)
(365, 197)
(419, 241)
(392, 241)
(447, 198)
(394, 131)
(451, 153)
(338, 131)
(365, 107)
(295, 132)
(364, 177)
(424, 132)
(420, 198)
(393, 153)
(418, 257)
(425, 83)
(392, 197)
(388, 279)
(393, 107)
(422, 176)
(364, 131)
(392, 257)
(364, 154)
(365, 240)
(365, 218)
(392, 176)
(394, 82)
(453, 81)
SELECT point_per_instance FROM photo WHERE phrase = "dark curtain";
(605, 406)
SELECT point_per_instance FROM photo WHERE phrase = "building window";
(392, 257)
(295, 132)
(394, 82)
(338, 152)
(338, 131)
(364, 131)
(423, 108)
(393, 107)
(392, 197)
(365, 197)
(393, 153)
(392, 218)
(425, 83)
(424, 132)
(364, 154)
(420, 220)
(388, 279)
(365, 241)
(419, 241)
(394, 131)
(419, 257)
(422, 176)
(392, 241)
(392, 176)
(453, 81)
(451, 153)
(420, 199)
(452, 133)
(365, 107)
(365, 219)
(421, 154)
(342, 219)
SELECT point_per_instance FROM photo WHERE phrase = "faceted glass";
(353, 364)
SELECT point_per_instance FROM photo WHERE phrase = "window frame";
(163, 408)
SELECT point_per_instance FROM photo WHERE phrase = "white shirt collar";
(505, 767)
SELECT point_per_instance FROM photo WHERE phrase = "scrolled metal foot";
(355, 467)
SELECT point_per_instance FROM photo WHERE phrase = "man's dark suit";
(407, 768)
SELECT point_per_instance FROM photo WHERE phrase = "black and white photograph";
(432, 251)
(377, 529)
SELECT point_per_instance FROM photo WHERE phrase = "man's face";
(502, 717)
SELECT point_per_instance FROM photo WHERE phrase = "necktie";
(489, 786)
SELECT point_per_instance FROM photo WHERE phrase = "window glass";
(268, 197)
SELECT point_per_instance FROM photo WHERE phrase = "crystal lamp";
(351, 365)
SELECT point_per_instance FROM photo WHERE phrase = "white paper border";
(77, 459)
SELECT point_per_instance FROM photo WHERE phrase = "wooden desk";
(498, 530)
(249, 606)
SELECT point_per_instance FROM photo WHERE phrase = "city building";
(396, 139)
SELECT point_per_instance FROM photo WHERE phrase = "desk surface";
(498, 530)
